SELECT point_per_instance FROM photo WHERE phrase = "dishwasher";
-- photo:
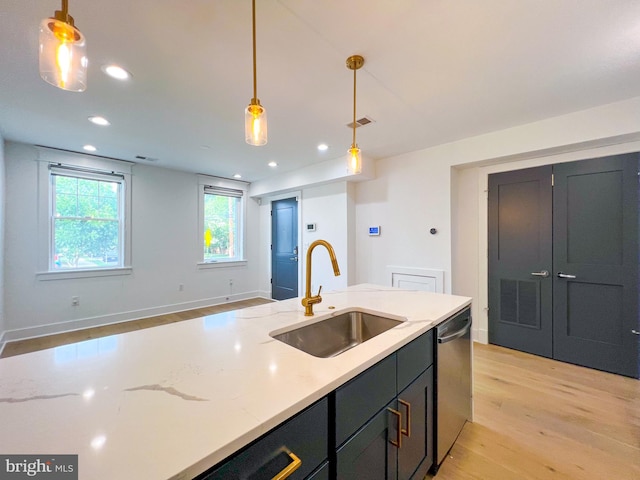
(453, 381)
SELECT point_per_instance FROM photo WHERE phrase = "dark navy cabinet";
(369, 453)
(303, 438)
(384, 417)
(415, 457)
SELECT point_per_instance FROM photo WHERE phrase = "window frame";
(215, 185)
(80, 166)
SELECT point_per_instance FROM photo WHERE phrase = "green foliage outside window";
(86, 225)
(220, 227)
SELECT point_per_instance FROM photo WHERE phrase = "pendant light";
(255, 115)
(354, 161)
(63, 53)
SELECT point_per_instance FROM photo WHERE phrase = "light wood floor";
(50, 341)
(535, 418)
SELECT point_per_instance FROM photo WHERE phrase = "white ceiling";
(435, 71)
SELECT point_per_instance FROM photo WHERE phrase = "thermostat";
(374, 230)
(311, 227)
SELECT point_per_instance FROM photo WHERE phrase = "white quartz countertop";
(171, 401)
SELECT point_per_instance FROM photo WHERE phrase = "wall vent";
(361, 122)
(148, 159)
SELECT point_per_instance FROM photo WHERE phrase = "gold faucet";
(309, 301)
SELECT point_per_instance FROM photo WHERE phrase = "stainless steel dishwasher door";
(453, 380)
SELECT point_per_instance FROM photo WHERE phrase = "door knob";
(541, 273)
(635, 332)
(565, 275)
(295, 259)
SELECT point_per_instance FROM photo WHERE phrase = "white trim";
(481, 335)
(207, 180)
(2, 342)
(72, 325)
(222, 264)
(266, 294)
(204, 182)
(89, 273)
(48, 157)
(437, 275)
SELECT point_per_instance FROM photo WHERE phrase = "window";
(86, 219)
(84, 215)
(222, 221)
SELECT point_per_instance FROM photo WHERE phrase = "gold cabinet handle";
(398, 441)
(406, 431)
(289, 469)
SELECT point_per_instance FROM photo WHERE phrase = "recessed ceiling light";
(90, 148)
(237, 175)
(117, 72)
(323, 147)
(99, 121)
(273, 164)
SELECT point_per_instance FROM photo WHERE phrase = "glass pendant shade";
(354, 161)
(63, 55)
(255, 124)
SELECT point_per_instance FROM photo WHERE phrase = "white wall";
(430, 188)
(328, 207)
(2, 230)
(331, 208)
(165, 249)
(409, 197)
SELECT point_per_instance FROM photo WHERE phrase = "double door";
(563, 262)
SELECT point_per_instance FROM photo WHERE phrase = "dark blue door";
(284, 249)
(563, 262)
(520, 260)
(595, 257)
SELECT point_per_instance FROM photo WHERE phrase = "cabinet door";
(369, 453)
(361, 398)
(416, 404)
(305, 436)
(320, 474)
(414, 358)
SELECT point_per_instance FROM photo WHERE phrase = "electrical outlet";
(231, 282)
(75, 301)
(181, 287)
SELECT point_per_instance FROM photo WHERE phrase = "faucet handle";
(319, 290)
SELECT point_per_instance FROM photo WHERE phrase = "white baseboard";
(265, 294)
(480, 335)
(69, 326)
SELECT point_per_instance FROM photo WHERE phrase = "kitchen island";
(172, 401)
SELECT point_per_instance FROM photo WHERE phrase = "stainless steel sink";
(335, 335)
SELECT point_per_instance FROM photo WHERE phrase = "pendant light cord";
(63, 14)
(255, 76)
(354, 108)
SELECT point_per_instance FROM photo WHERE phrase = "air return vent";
(361, 122)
